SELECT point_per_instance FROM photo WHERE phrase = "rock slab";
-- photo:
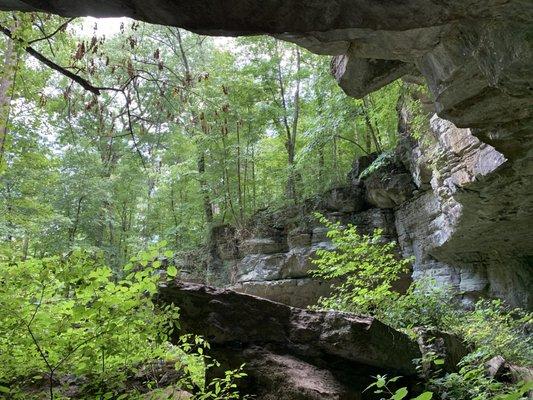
(283, 345)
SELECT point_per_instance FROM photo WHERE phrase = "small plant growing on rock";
(367, 265)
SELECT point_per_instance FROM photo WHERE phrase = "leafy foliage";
(383, 386)
(366, 265)
(194, 133)
(72, 315)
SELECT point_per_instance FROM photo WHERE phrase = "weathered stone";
(388, 191)
(346, 199)
(227, 318)
(498, 368)
(273, 376)
(470, 229)
(263, 246)
(296, 292)
(297, 239)
(388, 185)
(358, 166)
(260, 267)
(359, 76)
(223, 238)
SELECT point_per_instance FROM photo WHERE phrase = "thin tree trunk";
(336, 168)
(183, 55)
(6, 85)
(371, 134)
(254, 188)
(25, 247)
(239, 178)
(208, 209)
(73, 230)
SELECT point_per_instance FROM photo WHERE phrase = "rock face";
(275, 260)
(468, 225)
(292, 353)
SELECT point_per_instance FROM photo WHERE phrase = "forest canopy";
(119, 137)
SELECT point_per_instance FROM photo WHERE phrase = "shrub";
(367, 266)
(72, 316)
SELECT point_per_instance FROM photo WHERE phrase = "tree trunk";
(6, 85)
(208, 209)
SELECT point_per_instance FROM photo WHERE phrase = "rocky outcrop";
(285, 347)
(468, 224)
(275, 261)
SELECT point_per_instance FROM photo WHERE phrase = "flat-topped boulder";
(343, 349)
(225, 317)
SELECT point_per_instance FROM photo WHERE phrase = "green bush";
(424, 304)
(71, 316)
(366, 265)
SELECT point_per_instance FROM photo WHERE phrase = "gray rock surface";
(283, 347)
(298, 292)
(279, 267)
(471, 227)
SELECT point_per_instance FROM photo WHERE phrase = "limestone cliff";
(453, 202)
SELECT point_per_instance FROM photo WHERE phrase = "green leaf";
(380, 382)
(400, 394)
(168, 254)
(424, 396)
(4, 389)
(172, 271)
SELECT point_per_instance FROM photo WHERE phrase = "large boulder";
(297, 292)
(279, 343)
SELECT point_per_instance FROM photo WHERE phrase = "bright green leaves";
(384, 386)
(424, 396)
(73, 316)
(366, 265)
(400, 394)
(521, 392)
(172, 271)
(58, 314)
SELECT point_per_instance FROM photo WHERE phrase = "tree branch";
(46, 37)
(49, 63)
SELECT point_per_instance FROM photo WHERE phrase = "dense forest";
(124, 144)
(186, 132)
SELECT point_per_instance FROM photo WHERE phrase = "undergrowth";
(369, 266)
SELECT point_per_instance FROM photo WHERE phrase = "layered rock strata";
(289, 352)
(468, 224)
